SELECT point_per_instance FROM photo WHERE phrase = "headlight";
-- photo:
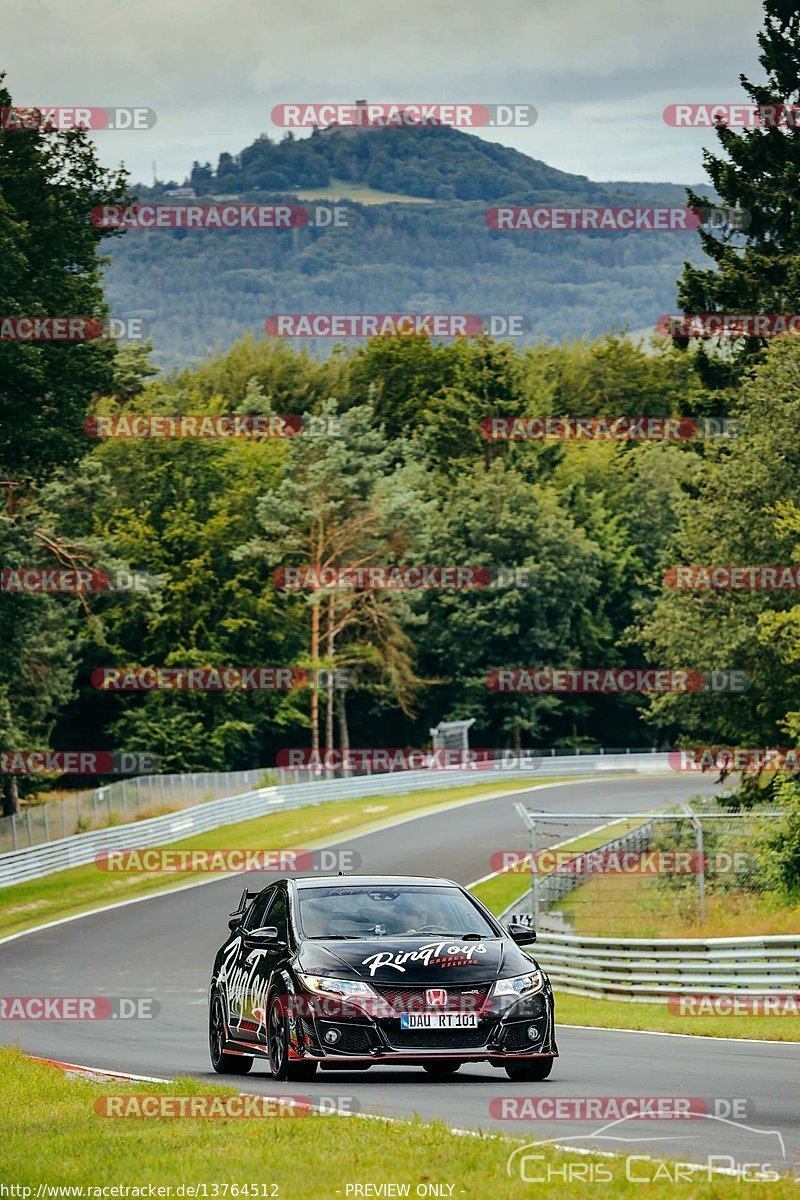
(322, 986)
(520, 985)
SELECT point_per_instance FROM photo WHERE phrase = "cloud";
(599, 71)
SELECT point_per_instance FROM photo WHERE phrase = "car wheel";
(223, 1063)
(442, 1068)
(278, 1046)
(530, 1071)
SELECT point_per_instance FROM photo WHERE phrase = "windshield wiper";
(333, 937)
(472, 937)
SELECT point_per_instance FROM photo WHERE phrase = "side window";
(257, 913)
(277, 914)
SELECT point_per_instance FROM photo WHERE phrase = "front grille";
(436, 1039)
(459, 999)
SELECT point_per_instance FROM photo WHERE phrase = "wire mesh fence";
(150, 795)
(700, 870)
(124, 801)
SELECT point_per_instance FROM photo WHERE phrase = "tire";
(531, 1071)
(222, 1062)
(278, 1046)
(442, 1069)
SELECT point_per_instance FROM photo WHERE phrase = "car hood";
(408, 961)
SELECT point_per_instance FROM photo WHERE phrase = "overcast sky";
(599, 72)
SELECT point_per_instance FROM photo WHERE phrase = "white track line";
(483, 1134)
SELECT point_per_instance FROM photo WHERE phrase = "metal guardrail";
(79, 850)
(122, 801)
(651, 970)
(142, 796)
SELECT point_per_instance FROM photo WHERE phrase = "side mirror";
(523, 935)
(234, 921)
(267, 935)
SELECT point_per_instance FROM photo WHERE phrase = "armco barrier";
(36, 861)
(652, 969)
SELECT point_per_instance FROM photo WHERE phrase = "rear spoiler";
(245, 899)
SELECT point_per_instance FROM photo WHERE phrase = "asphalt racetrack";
(163, 947)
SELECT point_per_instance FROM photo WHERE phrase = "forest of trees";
(402, 475)
(440, 163)
(199, 290)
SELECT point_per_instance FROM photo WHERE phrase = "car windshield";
(403, 911)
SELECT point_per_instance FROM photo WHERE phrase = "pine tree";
(760, 174)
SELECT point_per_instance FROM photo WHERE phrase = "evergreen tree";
(760, 173)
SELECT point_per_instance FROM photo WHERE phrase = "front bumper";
(506, 1028)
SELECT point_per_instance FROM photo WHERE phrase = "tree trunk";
(314, 678)
(10, 796)
(344, 732)
(329, 688)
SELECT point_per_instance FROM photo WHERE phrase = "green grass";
(57, 1138)
(640, 906)
(621, 1014)
(66, 893)
(342, 189)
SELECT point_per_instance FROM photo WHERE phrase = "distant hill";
(200, 290)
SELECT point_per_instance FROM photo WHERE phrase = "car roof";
(371, 881)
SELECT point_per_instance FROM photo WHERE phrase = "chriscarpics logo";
(436, 954)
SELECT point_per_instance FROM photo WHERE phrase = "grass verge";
(57, 1138)
(66, 893)
(621, 1014)
(639, 906)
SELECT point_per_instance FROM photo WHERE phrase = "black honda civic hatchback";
(343, 973)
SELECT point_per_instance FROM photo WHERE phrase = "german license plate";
(438, 1020)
